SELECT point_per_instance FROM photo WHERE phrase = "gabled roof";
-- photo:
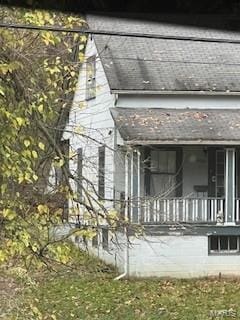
(177, 126)
(168, 65)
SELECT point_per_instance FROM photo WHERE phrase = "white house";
(160, 129)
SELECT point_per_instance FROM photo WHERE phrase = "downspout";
(115, 99)
(126, 260)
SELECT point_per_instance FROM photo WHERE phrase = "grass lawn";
(89, 292)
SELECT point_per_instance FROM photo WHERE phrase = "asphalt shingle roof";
(146, 125)
(168, 65)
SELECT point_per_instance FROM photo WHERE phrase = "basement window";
(224, 244)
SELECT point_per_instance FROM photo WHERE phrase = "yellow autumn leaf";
(35, 177)
(40, 108)
(41, 145)
(27, 143)
(21, 179)
(42, 208)
(34, 154)
(2, 256)
(9, 214)
(20, 121)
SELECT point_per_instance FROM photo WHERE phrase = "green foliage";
(38, 74)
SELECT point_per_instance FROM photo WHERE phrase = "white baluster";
(187, 210)
(196, 205)
(168, 210)
(164, 210)
(155, 210)
(158, 210)
(215, 210)
(144, 210)
(202, 209)
(177, 210)
(149, 211)
(174, 210)
(205, 210)
(193, 210)
(183, 210)
(221, 206)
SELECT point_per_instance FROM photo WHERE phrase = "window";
(95, 241)
(101, 172)
(60, 179)
(91, 78)
(105, 239)
(79, 173)
(224, 244)
(163, 173)
(163, 161)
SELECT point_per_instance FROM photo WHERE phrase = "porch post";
(126, 185)
(230, 186)
(135, 185)
(139, 185)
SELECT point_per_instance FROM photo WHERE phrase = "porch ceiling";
(177, 126)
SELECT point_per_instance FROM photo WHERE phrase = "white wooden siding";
(94, 120)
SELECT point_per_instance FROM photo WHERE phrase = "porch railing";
(188, 210)
(175, 210)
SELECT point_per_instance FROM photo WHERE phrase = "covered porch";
(183, 184)
(173, 179)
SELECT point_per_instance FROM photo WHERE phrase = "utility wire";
(117, 33)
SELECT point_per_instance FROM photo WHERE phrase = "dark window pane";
(220, 180)
(220, 168)
(220, 156)
(233, 243)
(214, 243)
(223, 243)
(171, 161)
(163, 161)
(79, 172)
(95, 241)
(105, 239)
(101, 172)
(220, 192)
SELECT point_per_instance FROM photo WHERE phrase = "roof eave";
(160, 92)
(183, 142)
